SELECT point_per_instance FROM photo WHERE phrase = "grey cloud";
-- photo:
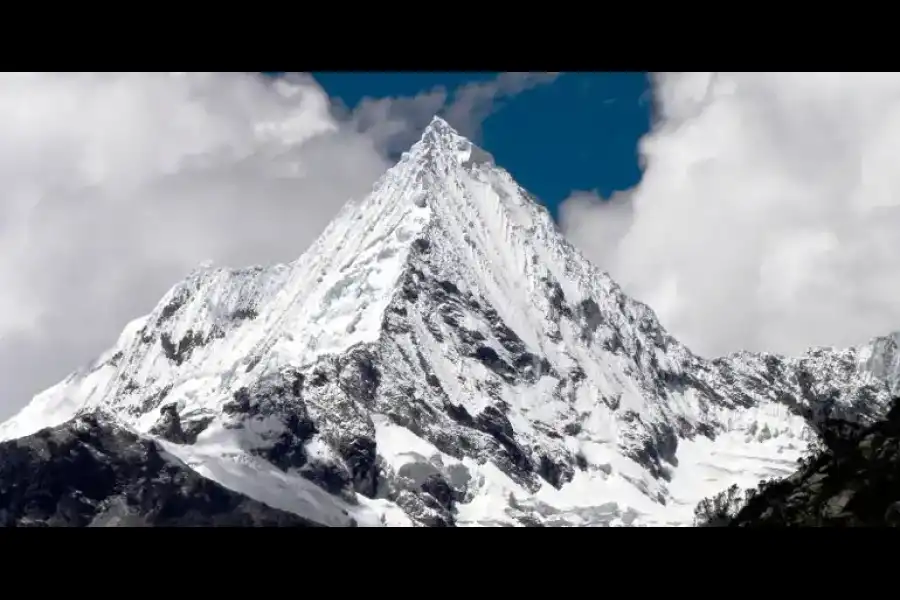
(395, 123)
(474, 102)
(605, 219)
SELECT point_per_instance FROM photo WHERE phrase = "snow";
(490, 488)
(759, 444)
(604, 380)
(218, 456)
(261, 481)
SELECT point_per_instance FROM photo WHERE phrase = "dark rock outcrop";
(92, 473)
(852, 480)
(170, 426)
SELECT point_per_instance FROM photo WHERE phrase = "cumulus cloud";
(117, 185)
(768, 214)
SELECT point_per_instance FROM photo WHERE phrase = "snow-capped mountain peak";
(442, 355)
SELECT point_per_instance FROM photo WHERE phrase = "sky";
(765, 215)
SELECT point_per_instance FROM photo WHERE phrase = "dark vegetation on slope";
(89, 472)
(850, 477)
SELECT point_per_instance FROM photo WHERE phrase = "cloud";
(116, 185)
(768, 214)
(588, 217)
(395, 123)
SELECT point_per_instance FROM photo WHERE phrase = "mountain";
(442, 356)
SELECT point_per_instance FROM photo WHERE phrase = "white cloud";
(116, 185)
(768, 215)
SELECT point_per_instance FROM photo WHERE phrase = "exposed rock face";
(92, 473)
(854, 481)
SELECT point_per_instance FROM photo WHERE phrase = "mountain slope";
(93, 473)
(441, 355)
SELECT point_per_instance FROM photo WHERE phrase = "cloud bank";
(768, 215)
(116, 185)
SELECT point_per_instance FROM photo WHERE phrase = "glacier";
(442, 356)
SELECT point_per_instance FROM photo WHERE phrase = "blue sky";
(579, 132)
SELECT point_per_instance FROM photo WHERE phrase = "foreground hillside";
(850, 479)
(93, 473)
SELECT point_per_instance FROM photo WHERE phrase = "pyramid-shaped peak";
(440, 133)
(440, 136)
(439, 125)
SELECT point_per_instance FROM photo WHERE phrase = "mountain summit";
(442, 356)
